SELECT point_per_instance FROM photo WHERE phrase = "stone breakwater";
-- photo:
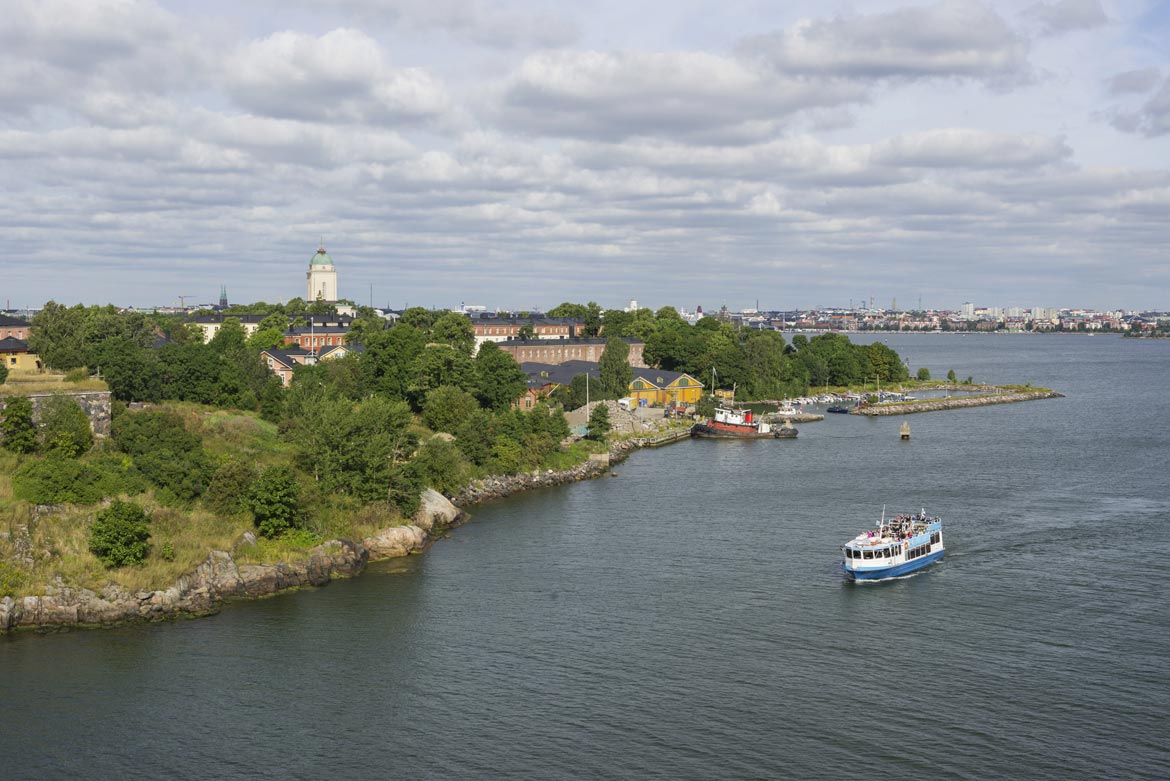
(935, 405)
(220, 577)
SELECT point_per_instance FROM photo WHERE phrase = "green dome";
(321, 258)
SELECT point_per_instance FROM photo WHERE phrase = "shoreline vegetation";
(209, 480)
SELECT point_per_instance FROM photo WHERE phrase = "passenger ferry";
(903, 545)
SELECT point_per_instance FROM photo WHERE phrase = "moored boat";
(737, 424)
(898, 547)
(837, 408)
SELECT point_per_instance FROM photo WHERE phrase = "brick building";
(557, 351)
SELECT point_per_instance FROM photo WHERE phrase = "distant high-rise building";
(223, 297)
(968, 310)
(322, 277)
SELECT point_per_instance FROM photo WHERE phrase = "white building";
(322, 277)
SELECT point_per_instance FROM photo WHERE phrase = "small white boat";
(903, 545)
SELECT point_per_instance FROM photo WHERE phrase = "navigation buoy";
(905, 430)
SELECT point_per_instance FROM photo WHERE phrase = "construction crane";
(183, 300)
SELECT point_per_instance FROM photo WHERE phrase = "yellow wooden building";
(16, 356)
(658, 386)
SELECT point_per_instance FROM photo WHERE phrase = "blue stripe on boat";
(895, 571)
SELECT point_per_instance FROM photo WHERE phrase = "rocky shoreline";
(936, 405)
(220, 577)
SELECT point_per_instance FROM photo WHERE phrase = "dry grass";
(23, 383)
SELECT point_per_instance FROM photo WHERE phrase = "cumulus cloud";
(493, 24)
(1152, 118)
(966, 148)
(680, 94)
(1067, 16)
(955, 38)
(341, 76)
(1135, 82)
(96, 57)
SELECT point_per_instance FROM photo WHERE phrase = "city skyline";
(1010, 155)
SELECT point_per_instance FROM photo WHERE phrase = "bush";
(924, 373)
(171, 457)
(56, 479)
(228, 491)
(17, 427)
(440, 465)
(80, 374)
(65, 427)
(167, 552)
(3, 373)
(120, 534)
(274, 498)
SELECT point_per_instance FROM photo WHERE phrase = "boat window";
(934, 538)
(867, 554)
(848, 553)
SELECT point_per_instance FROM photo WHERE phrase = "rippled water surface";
(688, 620)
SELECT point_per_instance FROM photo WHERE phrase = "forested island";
(207, 450)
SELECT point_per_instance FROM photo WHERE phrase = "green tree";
(388, 358)
(18, 430)
(951, 377)
(120, 534)
(65, 428)
(527, 331)
(614, 369)
(132, 371)
(441, 466)
(171, 457)
(274, 499)
(3, 373)
(498, 379)
(447, 407)
(923, 373)
(599, 424)
(57, 335)
(438, 365)
(454, 329)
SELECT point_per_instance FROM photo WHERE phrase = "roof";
(219, 318)
(286, 357)
(321, 258)
(660, 378)
(11, 344)
(488, 321)
(541, 374)
(329, 350)
(13, 322)
(318, 329)
(560, 342)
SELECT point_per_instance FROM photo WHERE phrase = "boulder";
(434, 510)
(395, 541)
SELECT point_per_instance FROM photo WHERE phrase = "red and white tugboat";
(737, 424)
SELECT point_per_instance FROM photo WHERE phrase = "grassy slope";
(59, 537)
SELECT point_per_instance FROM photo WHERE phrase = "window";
(867, 554)
(934, 538)
(683, 382)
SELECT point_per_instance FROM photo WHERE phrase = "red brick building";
(557, 351)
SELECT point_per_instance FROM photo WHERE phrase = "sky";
(520, 153)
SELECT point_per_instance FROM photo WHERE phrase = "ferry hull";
(897, 571)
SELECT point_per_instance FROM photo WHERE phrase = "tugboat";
(734, 424)
(905, 544)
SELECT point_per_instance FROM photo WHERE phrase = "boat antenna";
(883, 524)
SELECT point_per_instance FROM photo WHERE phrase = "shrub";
(167, 552)
(171, 457)
(65, 427)
(924, 373)
(120, 534)
(56, 479)
(12, 578)
(274, 499)
(228, 490)
(80, 374)
(440, 465)
(17, 427)
(3, 373)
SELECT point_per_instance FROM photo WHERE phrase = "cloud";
(1135, 82)
(952, 39)
(965, 148)
(694, 95)
(1151, 119)
(1067, 16)
(492, 24)
(341, 76)
(96, 57)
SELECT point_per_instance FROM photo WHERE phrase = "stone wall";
(95, 404)
(936, 405)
